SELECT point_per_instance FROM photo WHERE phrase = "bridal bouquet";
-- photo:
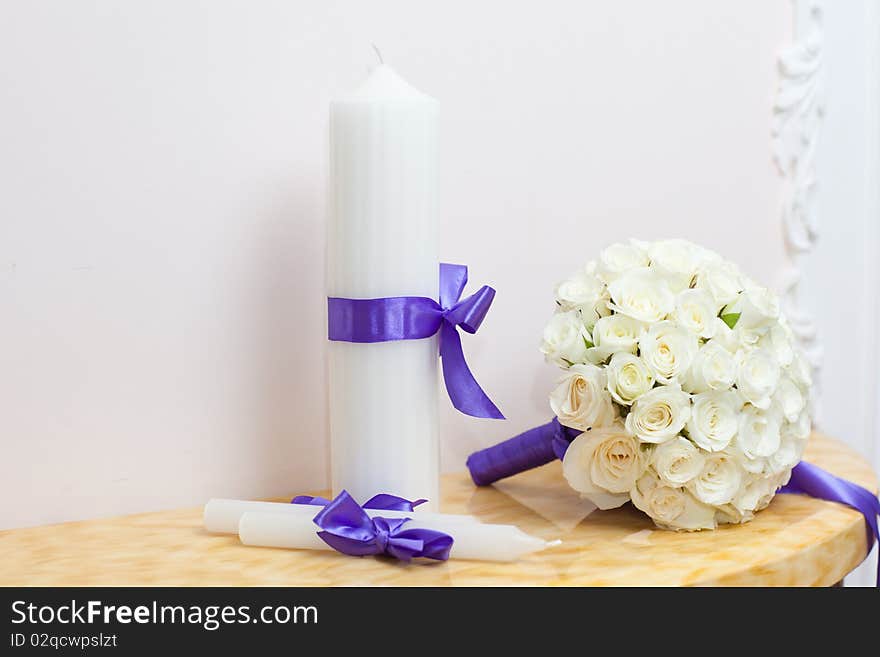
(682, 387)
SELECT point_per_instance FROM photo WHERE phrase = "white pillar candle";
(223, 516)
(474, 540)
(382, 242)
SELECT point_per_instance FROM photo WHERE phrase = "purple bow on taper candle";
(415, 318)
(348, 529)
(543, 444)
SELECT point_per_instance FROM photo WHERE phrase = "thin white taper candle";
(222, 516)
(473, 540)
(382, 242)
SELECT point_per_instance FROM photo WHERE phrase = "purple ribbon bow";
(547, 442)
(415, 318)
(348, 529)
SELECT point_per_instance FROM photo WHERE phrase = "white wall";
(161, 199)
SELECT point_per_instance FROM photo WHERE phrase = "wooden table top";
(797, 540)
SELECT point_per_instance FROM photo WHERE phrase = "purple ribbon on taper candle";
(382, 501)
(348, 529)
(415, 318)
(545, 443)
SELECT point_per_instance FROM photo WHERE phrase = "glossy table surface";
(795, 541)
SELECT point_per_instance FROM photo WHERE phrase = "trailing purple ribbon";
(415, 318)
(809, 479)
(547, 442)
(348, 529)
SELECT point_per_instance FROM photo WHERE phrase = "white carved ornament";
(797, 118)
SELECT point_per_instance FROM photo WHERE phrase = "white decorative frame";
(797, 118)
(837, 44)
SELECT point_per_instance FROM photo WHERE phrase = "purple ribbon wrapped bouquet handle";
(528, 450)
(415, 318)
(545, 443)
(348, 529)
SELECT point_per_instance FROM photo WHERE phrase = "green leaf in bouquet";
(731, 319)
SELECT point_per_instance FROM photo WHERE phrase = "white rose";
(756, 495)
(676, 261)
(728, 514)
(786, 457)
(677, 461)
(790, 399)
(721, 280)
(612, 334)
(714, 368)
(799, 429)
(758, 434)
(564, 339)
(642, 295)
(781, 479)
(713, 421)
(668, 350)
(604, 464)
(757, 376)
(641, 245)
(696, 312)
(659, 414)
(778, 341)
(671, 508)
(804, 425)
(599, 311)
(619, 258)
(757, 307)
(755, 466)
(749, 338)
(800, 371)
(582, 290)
(585, 293)
(726, 337)
(628, 378)
(719, 481)
(580, 400)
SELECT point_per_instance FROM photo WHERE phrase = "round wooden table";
(796, 541)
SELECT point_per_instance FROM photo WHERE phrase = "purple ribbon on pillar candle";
(415, 318)
(348, 529)
(547, 442)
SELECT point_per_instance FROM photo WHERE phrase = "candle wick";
(378, 54)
